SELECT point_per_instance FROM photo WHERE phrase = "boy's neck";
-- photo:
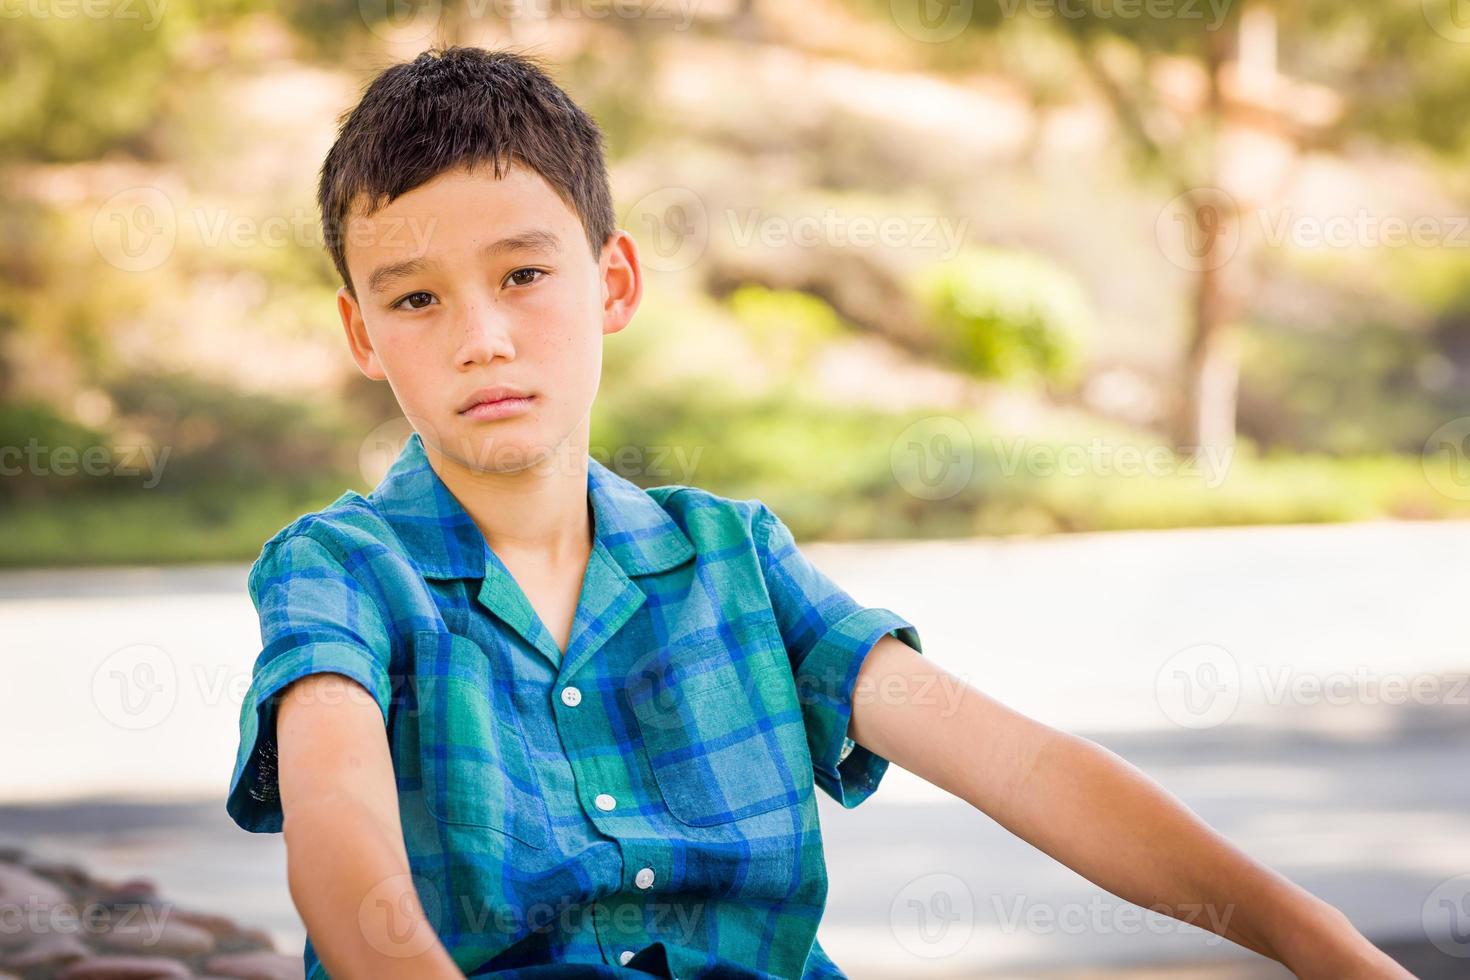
(538, 513)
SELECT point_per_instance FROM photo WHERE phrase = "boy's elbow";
(305, 817)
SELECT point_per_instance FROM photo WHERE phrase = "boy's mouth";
(497, 402)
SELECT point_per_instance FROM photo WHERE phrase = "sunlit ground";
(1302, 688)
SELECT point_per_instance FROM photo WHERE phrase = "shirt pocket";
(724, 741)
(476, 767)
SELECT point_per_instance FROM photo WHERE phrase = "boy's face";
(468, 282)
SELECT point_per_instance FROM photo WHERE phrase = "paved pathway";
(1302, 688)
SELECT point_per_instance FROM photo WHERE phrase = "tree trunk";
(1211, 368)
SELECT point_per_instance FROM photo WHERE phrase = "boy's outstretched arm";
(1095, 813)
(346, 863)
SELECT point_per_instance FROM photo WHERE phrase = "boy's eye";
(519, 276)
(412, 296)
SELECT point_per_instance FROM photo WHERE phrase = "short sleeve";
(315, 617)
(828, 635)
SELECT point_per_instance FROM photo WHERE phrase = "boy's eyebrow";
(535, 240)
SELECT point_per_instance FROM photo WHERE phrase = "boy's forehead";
(518, 187)
(455, 207)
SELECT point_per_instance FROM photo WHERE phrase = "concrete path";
(1302, 688)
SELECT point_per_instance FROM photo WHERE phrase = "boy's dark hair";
(460, 107)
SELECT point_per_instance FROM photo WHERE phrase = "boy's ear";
(357, 336)
(622, 281)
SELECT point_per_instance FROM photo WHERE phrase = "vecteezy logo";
(653, 690)
(932, 21)
(933, 916)
(381, 447)
(1199, 230)
(135, 230)
(1450, 19)
(401, 21)
(933, 458)
(1199, 686)
(1446, 459)
(394, 912)
(1446, 917)
(136, 687)
(672, 224)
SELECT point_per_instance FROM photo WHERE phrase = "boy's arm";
(1095, 813)
(347, 866)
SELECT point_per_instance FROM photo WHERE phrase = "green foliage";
(834, 473)
(205, 434)
(30, 431)
(96, 76)
(221, 437)
(329, 25)
(1363, 388)
(190, 470)
(1275, 489)
(1005, 315)
(830, 472)
(199, 523)
(788, 326)
(678, 403)
(1401, 66)
(75, 87)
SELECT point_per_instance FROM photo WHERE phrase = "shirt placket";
(608, 600)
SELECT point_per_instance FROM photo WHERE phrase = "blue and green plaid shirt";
(642, 805)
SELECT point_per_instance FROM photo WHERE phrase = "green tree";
(1310, 74)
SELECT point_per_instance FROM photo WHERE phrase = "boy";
(516, 716)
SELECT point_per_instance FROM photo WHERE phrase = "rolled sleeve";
(315, 617)
(828, 635)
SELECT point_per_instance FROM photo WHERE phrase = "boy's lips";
(498, 402)
(492, 395)
(498, 409)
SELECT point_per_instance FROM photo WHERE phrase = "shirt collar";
(444, 541)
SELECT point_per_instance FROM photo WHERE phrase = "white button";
(644, 878)
(605, 802)
(571, 697)
(625, 956)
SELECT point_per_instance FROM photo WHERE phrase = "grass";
(829, 474)
(147, 527)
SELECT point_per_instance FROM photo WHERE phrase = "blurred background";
(1121, 345)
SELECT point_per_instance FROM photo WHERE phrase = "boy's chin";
(504, 452)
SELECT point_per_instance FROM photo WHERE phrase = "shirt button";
(644, 878)
(625, 956)
(571, 697)
(605, 802)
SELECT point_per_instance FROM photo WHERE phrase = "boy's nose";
(484, 334)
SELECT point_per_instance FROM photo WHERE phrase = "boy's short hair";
(458, 107)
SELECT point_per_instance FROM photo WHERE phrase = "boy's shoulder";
(351, 516)
(353, 527)
(708, 517)
(346, 532)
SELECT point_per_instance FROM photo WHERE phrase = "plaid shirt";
(644, 802)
